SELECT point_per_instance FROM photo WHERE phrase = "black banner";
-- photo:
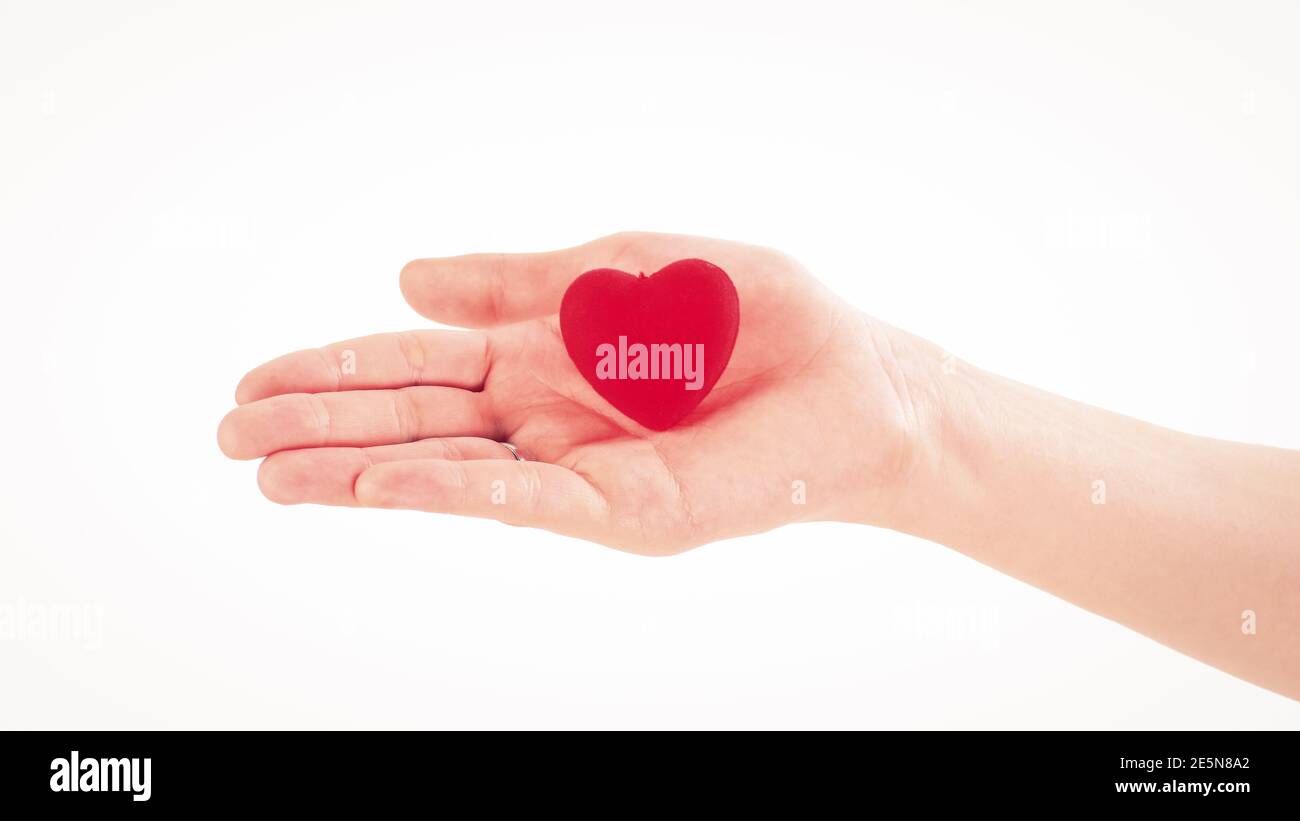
(157, 771)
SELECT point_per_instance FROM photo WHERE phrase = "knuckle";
(448, 449)
(324, 421)
(533, 490)
(452, 486)
(405, 417)
(332, 367)
(412, 352)
(497, 286)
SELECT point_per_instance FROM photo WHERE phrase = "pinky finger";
(533, 494)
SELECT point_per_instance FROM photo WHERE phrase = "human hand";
(813, 394)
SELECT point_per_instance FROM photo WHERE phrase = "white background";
(1095, 198)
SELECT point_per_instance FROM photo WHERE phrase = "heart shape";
(652, 346)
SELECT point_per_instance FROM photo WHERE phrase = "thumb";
(481, 290)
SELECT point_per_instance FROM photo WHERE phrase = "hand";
(812, 395)
(815, 393)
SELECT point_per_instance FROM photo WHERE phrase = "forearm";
(1173, 535)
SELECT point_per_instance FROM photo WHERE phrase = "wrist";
(926, 418)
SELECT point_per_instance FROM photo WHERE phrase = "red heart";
(606, 314)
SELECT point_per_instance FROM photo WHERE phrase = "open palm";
(808, 421)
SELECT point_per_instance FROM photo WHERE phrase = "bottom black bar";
(153, 771)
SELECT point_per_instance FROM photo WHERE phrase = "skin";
(878, 426)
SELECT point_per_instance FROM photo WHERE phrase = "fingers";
(456, 359)
(326, 476)
(352, 419)
(481, 290)
(535, 494)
